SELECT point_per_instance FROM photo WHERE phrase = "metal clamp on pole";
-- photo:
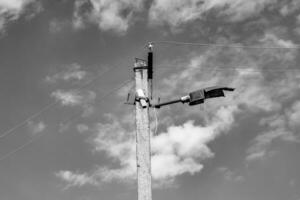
(140, 96)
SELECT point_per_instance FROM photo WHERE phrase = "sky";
(65, 72)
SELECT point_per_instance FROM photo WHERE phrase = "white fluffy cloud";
(118, 15)
(182, 148)
(115, 15)
(11, 10)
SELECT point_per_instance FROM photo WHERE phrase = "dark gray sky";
(64, 138)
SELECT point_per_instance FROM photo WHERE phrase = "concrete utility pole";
(142, 131)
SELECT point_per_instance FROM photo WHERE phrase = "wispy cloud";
(82, 128)
(229, 175)
(36, 127)
(82, 98)
(119, 15)
(114, 15)
(75, 179)
(261, 144)
(68, 98)
(70, 73)
(279, 127)
(289, 7)
(176, 13)
(59, 25)
(74, 97)
(294, 115)
(11, 10)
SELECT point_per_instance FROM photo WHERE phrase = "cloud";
(11, 10)
(82, 128)
(35, 128)
(294, 115)
(108, 15)
(58, 25)
(71, 73)
(179, 150)
(82, 98)
(289, 7)
(74, 97)
(230, 175)
(68, 98)
(238, 10)
(279, 127)
(176, 13)
(261, 144)
(75, 179)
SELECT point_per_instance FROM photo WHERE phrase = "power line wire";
(11, 153)
(50, 105)
(223, 45)
(35, 138)
(231, 67)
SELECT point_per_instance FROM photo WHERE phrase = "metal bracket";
(142, 62)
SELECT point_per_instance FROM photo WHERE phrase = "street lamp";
(198, 96)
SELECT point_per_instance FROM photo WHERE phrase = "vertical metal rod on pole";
(142, 133)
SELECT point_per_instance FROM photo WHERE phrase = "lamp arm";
(183, 99)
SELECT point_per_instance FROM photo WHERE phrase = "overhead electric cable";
(50, 105)
(225, 45)
(35, 138)
(231, 67)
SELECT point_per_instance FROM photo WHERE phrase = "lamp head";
(198, 96)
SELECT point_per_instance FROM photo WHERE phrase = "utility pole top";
(150, 46)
